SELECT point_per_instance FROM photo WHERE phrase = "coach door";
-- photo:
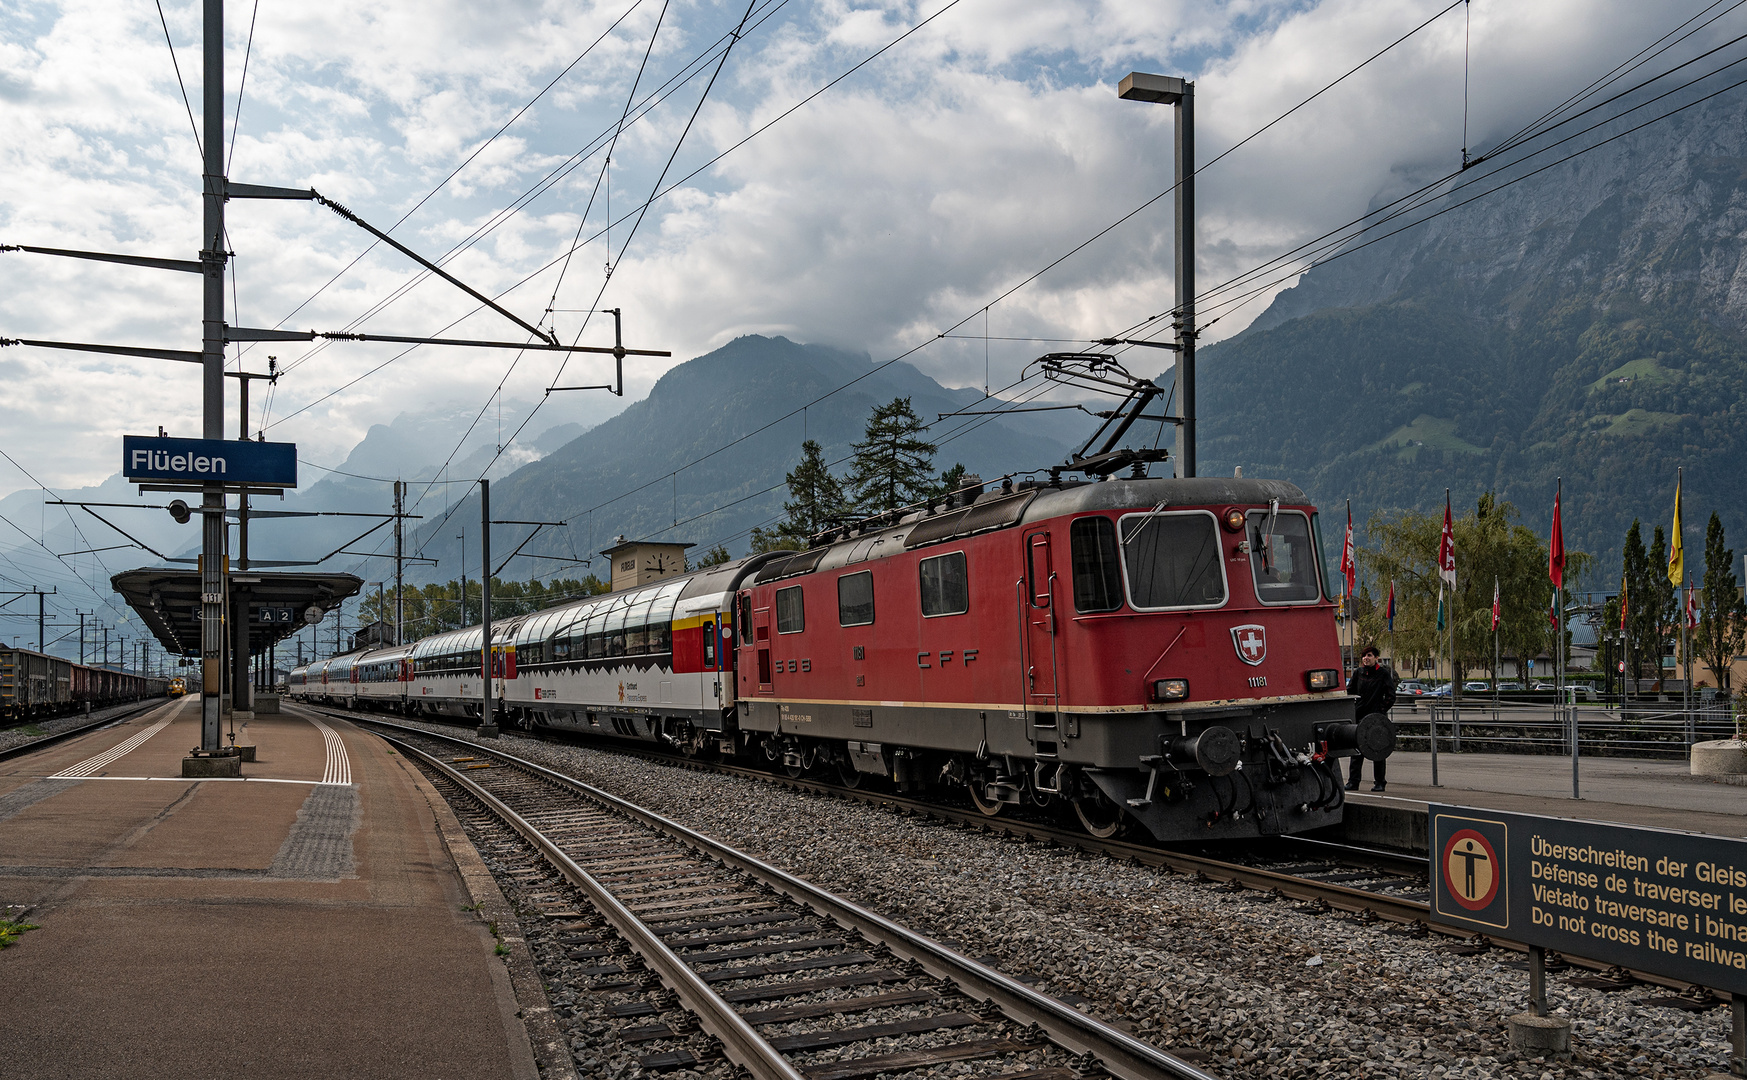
(1037, 608)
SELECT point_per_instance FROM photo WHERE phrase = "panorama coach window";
(1097, 578)
(1282, 557)
(855, 599)
(945, 585)
(791, 611)
(1172, 560)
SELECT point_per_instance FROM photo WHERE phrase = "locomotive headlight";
(1234, 520)
(1323, 679)
(1171, 690)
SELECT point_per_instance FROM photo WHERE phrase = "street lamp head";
(1159, 89)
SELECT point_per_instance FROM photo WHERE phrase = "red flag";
(1447, 548)
(1691, 608)
(1495, 603)
(1622, 605)
(1348, 570)
(1556, 550)
(1553, 610)
(1389, 612)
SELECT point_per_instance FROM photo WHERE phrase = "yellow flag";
(1676, 550)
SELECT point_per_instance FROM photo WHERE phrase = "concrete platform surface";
(305, 920)
(1661, 794)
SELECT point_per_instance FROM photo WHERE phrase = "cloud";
(896, 205)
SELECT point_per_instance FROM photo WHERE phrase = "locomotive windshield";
(1172, 560)
(1282, 557)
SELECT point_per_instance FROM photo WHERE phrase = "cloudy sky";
(895, 205)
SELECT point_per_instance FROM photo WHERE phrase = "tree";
(763, 540)
(893, 462)
(1722, 620)
(950, 481)
(1645, 622)
(437, 607)
(817, 502)
(1489, 544)
(716, 556)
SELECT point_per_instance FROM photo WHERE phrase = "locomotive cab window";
(855, 601)
(1282, 557)
(791, 612)
(1173, 560)
(945, 585)
(1097, 578)
(745, 618)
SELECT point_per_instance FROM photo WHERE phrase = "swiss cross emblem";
(1251, 642)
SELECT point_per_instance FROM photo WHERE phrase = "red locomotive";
(1161, 650)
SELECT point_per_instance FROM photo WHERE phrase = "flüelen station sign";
(1671, 903)
(205, 461)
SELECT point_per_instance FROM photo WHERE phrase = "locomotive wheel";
(1099, 816)
(848, 775)
(987, 807)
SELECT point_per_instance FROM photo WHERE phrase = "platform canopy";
(275, 603)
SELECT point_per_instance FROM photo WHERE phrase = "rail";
(1337, 896)
(1117, 1052)
(127, 712)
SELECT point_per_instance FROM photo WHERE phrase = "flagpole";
(1686, 659)
(1559, 663)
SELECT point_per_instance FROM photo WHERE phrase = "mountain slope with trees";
(657, 470)
(1585, 323)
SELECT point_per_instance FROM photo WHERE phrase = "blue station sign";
(202, 461)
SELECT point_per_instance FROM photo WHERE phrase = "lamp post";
(1180, 93)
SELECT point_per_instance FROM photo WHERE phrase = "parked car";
(1410, 688)
(1476, 686)
(1509, 686)
(1439, 691)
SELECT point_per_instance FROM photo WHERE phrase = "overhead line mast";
(213, 256)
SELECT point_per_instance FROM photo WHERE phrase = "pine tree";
(1643, 635)
(1722, 620)
(818, 501)
(1661, 592)
(950, 481)
(893, 463)
(763, 540)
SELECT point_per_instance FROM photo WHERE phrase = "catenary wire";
(176, 65)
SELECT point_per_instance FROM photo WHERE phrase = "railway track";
(126, 713)
(789, 981)
(1367, 884)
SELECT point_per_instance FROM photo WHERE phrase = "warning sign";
(1473, 869)
(1667, 902)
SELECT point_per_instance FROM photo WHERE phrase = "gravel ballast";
(1239, 984)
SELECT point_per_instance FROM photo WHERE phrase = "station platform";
(1658, 794)
(305, 920)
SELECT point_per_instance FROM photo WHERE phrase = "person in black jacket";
(1374, 685)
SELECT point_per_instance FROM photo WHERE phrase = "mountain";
(1584, 323)
(658, 461)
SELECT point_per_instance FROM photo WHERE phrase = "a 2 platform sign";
(1672, 903)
